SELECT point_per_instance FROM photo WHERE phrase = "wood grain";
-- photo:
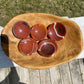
(81, 63)
(55, 75)
(68, 48)
(65, 74)
(75, 72)
(45, 77)
(23, 74)
(3, 76)
(34, 76)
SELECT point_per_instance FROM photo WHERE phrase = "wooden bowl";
(68, 48)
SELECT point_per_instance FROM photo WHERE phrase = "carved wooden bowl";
(68, 48)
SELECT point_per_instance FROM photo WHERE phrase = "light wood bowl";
(68, 48)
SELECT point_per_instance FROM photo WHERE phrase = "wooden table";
(69, 73)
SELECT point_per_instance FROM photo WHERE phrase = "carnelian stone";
(21, 29)
(38, 32)
(47, 47)
(27, 46)
(56, 31)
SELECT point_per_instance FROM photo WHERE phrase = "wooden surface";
(69, 73)
(71, 45)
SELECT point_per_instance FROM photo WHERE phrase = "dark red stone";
(38, 32)
(27, 46)
(47, 47)
(21, 30)
(56, 31)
